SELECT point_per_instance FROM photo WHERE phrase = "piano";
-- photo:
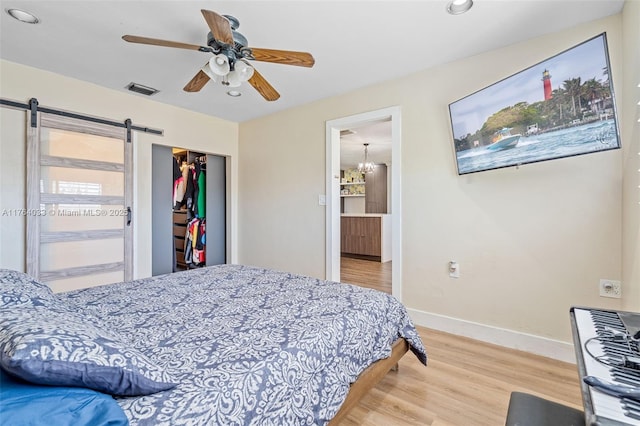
(601, 350)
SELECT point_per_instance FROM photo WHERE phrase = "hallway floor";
(366, 273)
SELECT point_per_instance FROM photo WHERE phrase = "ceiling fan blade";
(166, 43)
(286, 57)
(219, 26)
(263, 87)
(197, 82)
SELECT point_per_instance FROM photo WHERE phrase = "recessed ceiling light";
(22, 16)
(456, 7)
(234, 93)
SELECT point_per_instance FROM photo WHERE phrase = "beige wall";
(531, 242)
(631, 135)
(181, 128)
(281, 175)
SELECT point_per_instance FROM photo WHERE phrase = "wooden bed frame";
(369, 378)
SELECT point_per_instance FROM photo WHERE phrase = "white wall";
(531, 242)
(354, 205)
(182, 128)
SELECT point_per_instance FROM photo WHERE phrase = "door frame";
(332, 135)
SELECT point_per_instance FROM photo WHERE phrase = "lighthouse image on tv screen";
(561, 107)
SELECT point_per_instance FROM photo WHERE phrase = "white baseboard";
(555, 349)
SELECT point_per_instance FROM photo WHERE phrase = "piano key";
(595, 333)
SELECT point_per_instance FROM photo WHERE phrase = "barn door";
(79, 200)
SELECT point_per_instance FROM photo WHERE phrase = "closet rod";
(33, 107)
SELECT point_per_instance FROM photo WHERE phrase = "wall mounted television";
(561, 107)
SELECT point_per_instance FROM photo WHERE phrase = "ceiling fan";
(230, 65)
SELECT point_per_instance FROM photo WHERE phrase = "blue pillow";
(52, 345)
(27, 404)
(19, 289)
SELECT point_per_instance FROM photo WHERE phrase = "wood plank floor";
(366, 273)
(466, 383)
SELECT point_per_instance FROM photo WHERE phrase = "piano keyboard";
(598, 325)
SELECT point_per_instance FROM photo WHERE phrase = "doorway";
(334, 128)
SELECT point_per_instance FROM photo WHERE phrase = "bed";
(228, 344)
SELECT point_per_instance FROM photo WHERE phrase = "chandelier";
(366, 166)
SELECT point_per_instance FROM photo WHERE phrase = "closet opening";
(189, 209)
(189, 199)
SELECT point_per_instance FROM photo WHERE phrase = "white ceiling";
(354, 43)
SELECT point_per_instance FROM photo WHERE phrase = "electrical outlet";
(610, 288)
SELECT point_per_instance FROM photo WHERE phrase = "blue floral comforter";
(248, 346)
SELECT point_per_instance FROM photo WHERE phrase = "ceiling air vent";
(143, 90)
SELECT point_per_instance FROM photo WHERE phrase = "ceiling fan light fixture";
(219, 65)
(229, 48)
(207, 70)
(234, 93)
(23, 16)
(241, 72)
(245, 70)
(458, 7)
(233, 79)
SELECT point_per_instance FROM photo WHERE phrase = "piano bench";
(530, 410)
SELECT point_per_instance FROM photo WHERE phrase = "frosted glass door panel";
(61, 218)
(74, 254)
(66, 180)
(68, 144)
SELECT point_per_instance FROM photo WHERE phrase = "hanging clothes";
(180, 187)
(188, 248)
(201, 200)
(197, 169)
(178, 184)
(199, 243)
(194, 243)
(189, 193)
(176, 169)
(178, 193)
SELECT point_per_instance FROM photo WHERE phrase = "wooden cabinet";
(376, 190)
(179, 233)
(361, 236)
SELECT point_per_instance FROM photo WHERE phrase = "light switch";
(454, 269)
(322, 200)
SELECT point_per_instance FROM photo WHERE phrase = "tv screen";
(560, 107)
